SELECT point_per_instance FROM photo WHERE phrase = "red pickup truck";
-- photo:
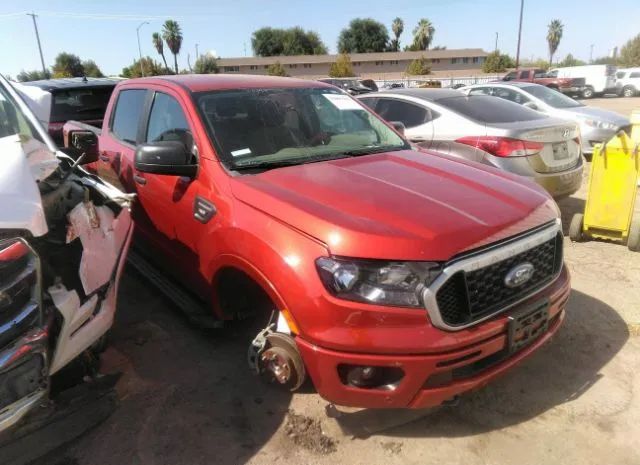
(568, 86)
(390, 277)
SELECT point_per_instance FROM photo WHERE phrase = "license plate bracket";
(560, 151)
(527, 325)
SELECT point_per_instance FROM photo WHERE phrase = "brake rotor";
(280, 363)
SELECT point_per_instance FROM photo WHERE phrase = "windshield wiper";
(369, 150)
(266, 164)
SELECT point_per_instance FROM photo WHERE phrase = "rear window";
(635, 74)
(79, 104)
(487, 109)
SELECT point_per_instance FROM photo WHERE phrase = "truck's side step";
(195, 310)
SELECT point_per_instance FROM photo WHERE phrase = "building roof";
(205, 82)
(355, 57)
(506, 83)
(72, 83)
(425, 94)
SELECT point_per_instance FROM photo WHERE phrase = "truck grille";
(468, 296)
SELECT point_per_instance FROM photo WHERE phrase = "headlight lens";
(600, 124)
(377, 282)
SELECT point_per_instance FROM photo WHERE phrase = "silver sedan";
(490, 131)
(596, 124)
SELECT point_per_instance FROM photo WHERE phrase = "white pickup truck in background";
(64, 236)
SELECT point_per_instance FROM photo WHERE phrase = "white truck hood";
(23, 162)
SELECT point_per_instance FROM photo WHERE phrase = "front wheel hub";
(281, 364)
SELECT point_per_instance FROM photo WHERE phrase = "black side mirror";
(170, 158)
(398, 126)
(82, 143)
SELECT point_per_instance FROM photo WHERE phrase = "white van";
(628, 82)
(600, 79)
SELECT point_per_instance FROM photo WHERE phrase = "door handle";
(103, 157)
(139, 179)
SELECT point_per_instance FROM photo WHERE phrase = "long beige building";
(388, 65)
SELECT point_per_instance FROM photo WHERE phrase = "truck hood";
(402, 205)
(23, 162)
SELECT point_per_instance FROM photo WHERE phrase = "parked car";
(64, 236)
(567, 85)
(353, 86)
(596, 124)
(390, 277)
(598, 79)
(487, 130)
(81, 99)
(628, 82)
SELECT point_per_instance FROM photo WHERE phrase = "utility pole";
(591, 54)
(496, 49)
(197, 55)
(35, 26)
(519, 34)
(139, 48)
(245, 49)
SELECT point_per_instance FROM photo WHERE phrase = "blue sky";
(226, 27)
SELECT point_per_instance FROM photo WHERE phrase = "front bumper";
(467, 368)
(573, 90)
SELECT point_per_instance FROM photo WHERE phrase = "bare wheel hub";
(275, 357)
(277, 362)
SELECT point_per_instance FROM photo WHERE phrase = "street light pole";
(139, 48)
(35, 26)
(591, 54)
(519, 34)
(197, 55)
(496, 49)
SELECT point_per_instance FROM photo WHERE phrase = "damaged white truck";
(64, 236)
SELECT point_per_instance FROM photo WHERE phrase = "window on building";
(254, 67)
(435, 60)
(465, 60)
(393, 62)
(356, 63)
(307, 65)
(476, 59)
(266, 66)
(292, 66)
(231, 69)
(379, 63)
(455, 61)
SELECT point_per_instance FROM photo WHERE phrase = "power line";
(106, 16)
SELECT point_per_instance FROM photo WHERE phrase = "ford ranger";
(64, 235)
(389, 277)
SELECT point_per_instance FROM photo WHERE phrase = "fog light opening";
(370, 377)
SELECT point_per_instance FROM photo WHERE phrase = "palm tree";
(423, 34)
(397, 26)
(553, 37)
(159, 45)
(172, 35)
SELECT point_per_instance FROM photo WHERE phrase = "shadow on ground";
(569, 206)
(186, 396)
(561, 371)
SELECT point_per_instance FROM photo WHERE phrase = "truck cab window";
(126, 115)
(511, 76)
(168, 122)
(524, 75)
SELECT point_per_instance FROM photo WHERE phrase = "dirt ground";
(188, 398)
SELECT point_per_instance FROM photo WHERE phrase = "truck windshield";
(12, 121)
(263, 128)
(551, 97)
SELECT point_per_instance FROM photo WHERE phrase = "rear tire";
(575, 228)
(629, 91)
(588, 92)
(633, 241)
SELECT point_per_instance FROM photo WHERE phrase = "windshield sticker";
(238, 153)
(342, 102)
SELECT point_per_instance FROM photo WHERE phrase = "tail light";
(503, 146)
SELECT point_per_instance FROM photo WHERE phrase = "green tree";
(554, 35)
(397, 27)
(159, 46)
(67, 65)
(537, 63)
(268, 41)
(497, 63)
(150, 66)
(418, 67)
(630, 53)
(605, 61)
(35, 75)
(342, 67)
(439, 47)
(570, 60)
(364, 35)
(206, 64)
(423, 34)
(172, 35)
(276, 69)
(91, 69)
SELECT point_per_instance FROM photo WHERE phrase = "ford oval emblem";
(519, 274)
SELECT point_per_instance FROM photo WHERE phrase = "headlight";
(377, 282)
(600, 124)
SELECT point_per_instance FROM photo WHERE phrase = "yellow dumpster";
(613, 183)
